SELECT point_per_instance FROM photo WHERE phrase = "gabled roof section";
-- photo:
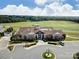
(32, 30)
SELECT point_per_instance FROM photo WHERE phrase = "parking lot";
(62, 52)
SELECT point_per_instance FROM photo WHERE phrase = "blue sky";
(29, 3)
(38, 4)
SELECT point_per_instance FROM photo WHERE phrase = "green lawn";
(70, 28)
(65, 25)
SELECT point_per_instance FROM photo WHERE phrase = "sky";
(40, 7)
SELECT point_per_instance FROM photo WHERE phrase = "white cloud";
(52, 9)
(36, 11)
(40, 2)
(55, 9)
(13, 10)
(43, 2)
(19, 10)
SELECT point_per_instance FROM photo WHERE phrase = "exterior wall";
(46, 37)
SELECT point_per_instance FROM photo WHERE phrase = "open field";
(70, 28)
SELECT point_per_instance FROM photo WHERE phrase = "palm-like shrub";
(48, 55)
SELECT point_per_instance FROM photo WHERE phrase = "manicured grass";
(71, 39)
(73, 36)
(64, 25)
(70, 28)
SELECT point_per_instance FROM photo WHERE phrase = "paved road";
(65, 52)
(4, 52)
(4, 42)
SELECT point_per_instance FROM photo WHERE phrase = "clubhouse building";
(39, 33)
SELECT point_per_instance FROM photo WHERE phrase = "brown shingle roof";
(46, 30)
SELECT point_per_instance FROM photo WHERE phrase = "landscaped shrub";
(64, 35)
(10, 47)
(1, 34)
(19, 39)
(48, 38)
(54, 43)
(61, 43)
(13, 38)
(29, 44)
(10, 29)
(16, 38)
(76, 55)
(48, 55)
(58, 37)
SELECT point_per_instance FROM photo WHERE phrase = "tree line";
(14, 18)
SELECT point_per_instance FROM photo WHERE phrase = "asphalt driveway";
(65, 52)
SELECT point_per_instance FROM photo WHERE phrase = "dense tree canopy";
(13, 18)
